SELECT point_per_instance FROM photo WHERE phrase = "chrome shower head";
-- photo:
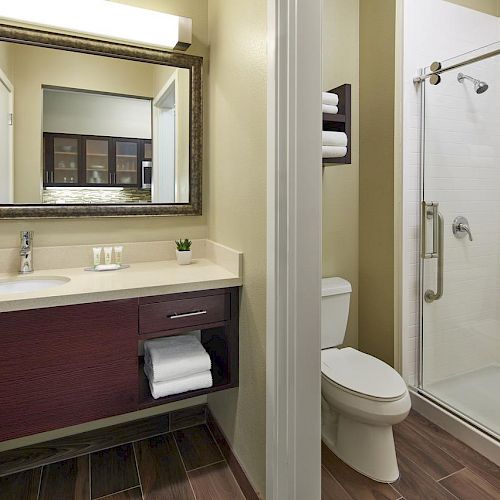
(479, 86)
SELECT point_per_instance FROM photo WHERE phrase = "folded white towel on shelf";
(173, 357)
(334, 151)
(201, 380)
(333, 110)
(329, 98)
(334, 139)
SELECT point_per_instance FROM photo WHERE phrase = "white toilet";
(362, 397)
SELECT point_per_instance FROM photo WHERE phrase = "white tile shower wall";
(463, 161)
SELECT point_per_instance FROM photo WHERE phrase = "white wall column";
(294, 250)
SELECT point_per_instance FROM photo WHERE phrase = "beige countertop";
(139, 280)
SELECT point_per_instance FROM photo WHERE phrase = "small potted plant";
(183, 252)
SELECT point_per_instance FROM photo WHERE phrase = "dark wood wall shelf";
(64, 366)
(327, 117)
(340, 122)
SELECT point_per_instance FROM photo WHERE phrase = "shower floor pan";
(475, 394)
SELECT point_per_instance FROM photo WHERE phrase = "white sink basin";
(20, 285)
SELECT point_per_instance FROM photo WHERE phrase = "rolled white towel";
(201, 380)
(330, 98)
(332, 110)
(334, 151)
(335, 139)
(173, 357)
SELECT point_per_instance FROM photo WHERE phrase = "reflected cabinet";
(92, 161)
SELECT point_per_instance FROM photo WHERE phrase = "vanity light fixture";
(103, 19)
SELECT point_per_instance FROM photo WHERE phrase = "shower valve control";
(461, 228)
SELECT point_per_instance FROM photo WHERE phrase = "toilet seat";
(361, 374)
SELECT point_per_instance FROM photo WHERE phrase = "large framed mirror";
(94, 128)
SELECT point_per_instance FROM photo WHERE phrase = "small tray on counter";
(107, 267)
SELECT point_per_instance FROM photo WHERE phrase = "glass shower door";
(460, 244)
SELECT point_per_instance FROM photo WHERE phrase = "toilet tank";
(335, 298)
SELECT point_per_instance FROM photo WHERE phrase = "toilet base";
(368, 449)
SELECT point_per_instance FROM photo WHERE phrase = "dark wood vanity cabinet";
(94, 161)
(67, 365)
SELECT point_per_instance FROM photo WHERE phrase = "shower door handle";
(430, 211)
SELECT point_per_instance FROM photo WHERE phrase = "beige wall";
(488, 6)
(341, 182)
(100, 231)
(237, 207)
(6, 59)
(376, 178)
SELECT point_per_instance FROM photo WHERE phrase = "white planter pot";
(184, 258)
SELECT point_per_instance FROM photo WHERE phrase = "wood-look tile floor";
(185, 464)
(433, 465)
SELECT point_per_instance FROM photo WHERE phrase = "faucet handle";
(461, 228)
(465, 229)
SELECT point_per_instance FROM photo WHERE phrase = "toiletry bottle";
(118, 254)
(108, 253)
(97, 255)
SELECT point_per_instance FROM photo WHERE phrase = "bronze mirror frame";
(85, 45)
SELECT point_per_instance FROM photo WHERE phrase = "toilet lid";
(362, 373)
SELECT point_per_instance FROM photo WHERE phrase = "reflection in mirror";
(86, 129)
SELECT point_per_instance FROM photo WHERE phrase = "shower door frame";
(421, 79)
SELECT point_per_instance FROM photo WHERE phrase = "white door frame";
(164, 124)
(6, 82)
(294, 250)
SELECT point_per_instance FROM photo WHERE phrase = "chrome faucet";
(26, 252)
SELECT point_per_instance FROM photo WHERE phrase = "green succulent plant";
(183, 245)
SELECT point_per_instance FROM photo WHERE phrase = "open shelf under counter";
(146, 400)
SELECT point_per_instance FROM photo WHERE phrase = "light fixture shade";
(103, 19)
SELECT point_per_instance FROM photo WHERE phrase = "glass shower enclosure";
(460, 237)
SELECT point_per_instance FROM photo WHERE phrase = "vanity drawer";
(182, 313)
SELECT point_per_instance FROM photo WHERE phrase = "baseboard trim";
(234, 464)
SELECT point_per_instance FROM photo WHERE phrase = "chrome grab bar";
(431, 211)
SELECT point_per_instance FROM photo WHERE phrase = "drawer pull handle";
(186, 315)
